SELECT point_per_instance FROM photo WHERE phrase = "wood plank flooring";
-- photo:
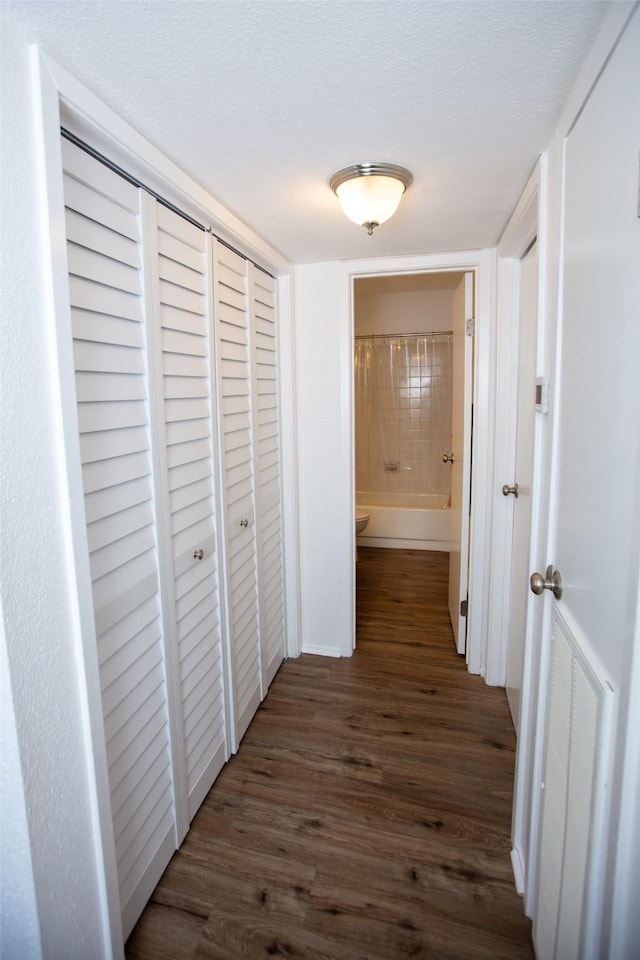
(367, 814)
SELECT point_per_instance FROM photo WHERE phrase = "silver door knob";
(447, 458)
(506, 490)
(198, 554)
(552, 581)
(244, 523)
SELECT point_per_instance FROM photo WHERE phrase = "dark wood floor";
(367, 814)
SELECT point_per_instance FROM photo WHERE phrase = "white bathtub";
(417, 521)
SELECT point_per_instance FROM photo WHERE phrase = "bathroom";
(403, 400)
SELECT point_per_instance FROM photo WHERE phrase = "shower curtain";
(403, 387)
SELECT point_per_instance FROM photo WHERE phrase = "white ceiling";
(260, 101)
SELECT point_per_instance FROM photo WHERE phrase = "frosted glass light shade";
(370, 199)
(370, 192)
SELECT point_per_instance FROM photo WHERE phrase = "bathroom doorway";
(412, 384)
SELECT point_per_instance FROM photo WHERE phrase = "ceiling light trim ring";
(372, 169)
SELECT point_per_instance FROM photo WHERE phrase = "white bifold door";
(106, 289)
(181, 333)
(234, 374)
(264, 378)
(247, 386)
(187, 600)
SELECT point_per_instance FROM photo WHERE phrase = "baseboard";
(320, 651)
(517, 865)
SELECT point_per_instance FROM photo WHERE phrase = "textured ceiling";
(260, 101)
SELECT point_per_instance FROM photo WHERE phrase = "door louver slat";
(106, 303)
(234, 371)
(267, 454)
(183, 317)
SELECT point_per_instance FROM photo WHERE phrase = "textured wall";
(33, 563)
(19, 930)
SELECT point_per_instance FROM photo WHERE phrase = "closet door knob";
(447, 458)
(244, 523)
(198, 554)
(506, 490)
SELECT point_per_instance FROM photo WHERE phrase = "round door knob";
(198, 554)
(537, 583)
(447, 458)
(506, 490)
(552, 581)
(244, 523)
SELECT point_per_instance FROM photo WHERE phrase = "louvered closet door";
(182, 326)
(267, 471)
(234, 388)
(104, 254)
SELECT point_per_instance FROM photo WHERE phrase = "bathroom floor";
(401, 599)
(367, 814)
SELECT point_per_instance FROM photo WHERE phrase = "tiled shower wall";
(403, 387)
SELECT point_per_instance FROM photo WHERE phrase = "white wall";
(324, 360)
(325, 492)
(38, 615)
(403, 311)
(19, 928)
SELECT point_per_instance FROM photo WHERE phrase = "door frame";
(462, 444)
(526, 225)
(482, 264)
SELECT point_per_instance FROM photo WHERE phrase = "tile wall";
(403, 399)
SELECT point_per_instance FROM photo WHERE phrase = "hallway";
(367, 814)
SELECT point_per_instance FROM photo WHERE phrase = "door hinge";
(464, 607)
(470, 327)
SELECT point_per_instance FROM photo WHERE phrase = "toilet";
(362, 519)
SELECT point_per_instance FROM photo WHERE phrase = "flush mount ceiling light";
(370, 192)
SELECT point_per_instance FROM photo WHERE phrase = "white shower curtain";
(403, 413)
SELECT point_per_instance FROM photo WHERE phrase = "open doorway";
(413, 370)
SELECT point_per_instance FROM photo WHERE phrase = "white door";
(104, 248)
(266, 432)
(522, 481)
(235, 402)
(180, 332)
(596, 480)
(461, 452)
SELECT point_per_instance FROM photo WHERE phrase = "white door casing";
(523, 478)
(526, 227)
(463, 332)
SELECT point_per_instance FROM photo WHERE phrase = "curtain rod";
(399, 336)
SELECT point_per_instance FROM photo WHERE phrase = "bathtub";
(417, 521)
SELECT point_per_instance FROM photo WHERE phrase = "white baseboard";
(320, 651)
(517, 865)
